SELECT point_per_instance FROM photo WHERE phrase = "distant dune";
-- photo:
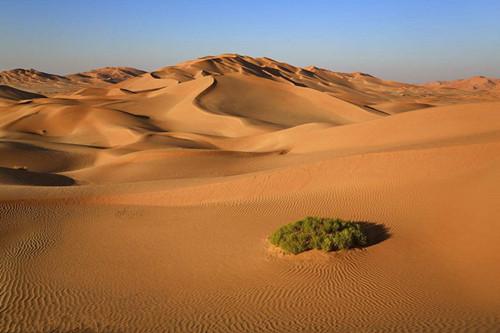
(141, 202)
(476, 83)
(50, 84)
(107, 74)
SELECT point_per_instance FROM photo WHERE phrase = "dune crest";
(52, 84)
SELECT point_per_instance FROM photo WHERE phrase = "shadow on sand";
(375, 232)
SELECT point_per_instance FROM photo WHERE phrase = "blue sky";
(413, 40)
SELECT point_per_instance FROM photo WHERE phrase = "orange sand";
(144, 205)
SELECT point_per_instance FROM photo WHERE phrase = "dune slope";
(10, 93)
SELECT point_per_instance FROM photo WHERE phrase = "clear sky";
(406, 40)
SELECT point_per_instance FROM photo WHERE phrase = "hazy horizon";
(414, 41)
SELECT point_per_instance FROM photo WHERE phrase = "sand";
(52, 84)
(144, 205)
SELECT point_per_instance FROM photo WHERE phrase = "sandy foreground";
(144, 206)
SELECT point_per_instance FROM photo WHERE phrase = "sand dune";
(52, 84)
(475, 83)
(144, 205)
(286, 106)
(107, 74)
(16, 94)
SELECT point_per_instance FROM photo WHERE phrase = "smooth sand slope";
(144, 206)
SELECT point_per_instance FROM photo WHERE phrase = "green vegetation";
(319, 233)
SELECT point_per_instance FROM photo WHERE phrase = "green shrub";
(319, 233)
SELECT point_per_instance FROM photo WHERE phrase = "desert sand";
(143, 203)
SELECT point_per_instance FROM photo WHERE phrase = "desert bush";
(319, 233)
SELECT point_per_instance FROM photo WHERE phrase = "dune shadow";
(22, 176)
(375, 232)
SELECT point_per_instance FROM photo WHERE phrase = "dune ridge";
(52, 84)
